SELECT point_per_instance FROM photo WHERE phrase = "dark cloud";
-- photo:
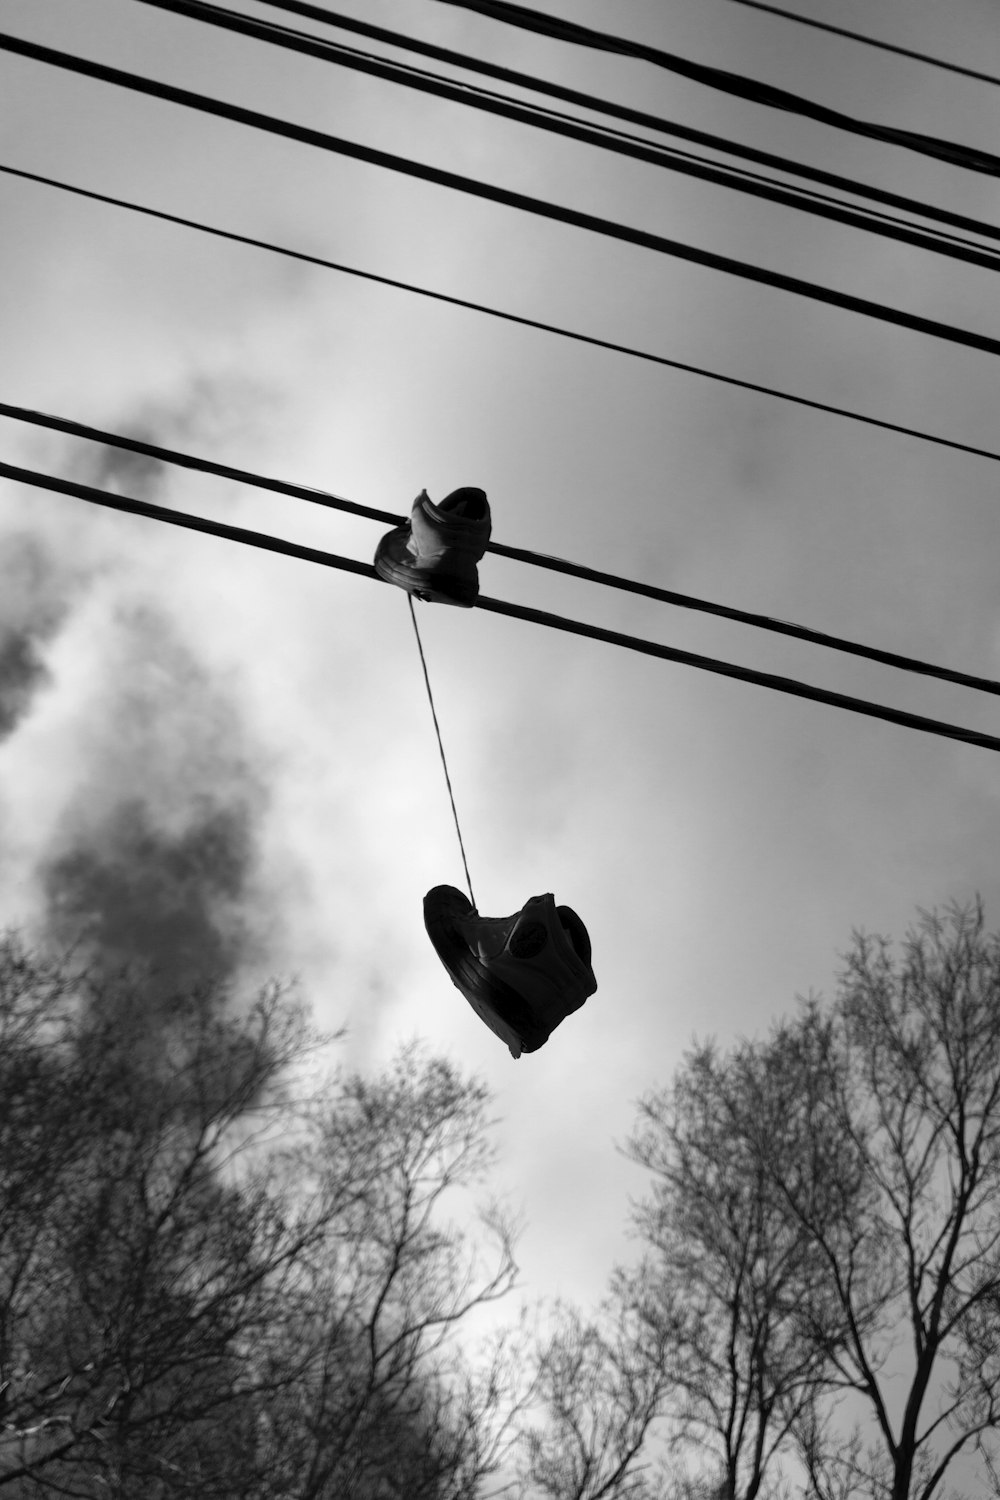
(154, 868)
(167, 905)
(128, 473)
(209, 408)
(22, 672)
(34, 598)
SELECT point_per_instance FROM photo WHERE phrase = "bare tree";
(824, 1231)
(132, 1275)
(898, 1187)
(210, 1286)
(731, 1281)
(600, 1387)
(379, 1299)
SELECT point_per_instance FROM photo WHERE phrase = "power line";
(182, 460)
(625, 112)
(269, 543)
(871, 41)
(184, 519)
(509, 317)
(970, 157)
(516, 554)
(604, 138)
(538, 206)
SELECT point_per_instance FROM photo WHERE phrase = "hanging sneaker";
(435, 554)
(523, 974)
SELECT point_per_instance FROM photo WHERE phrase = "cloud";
(22, 671)
(33, 603)
(166, 903)
(138, 796)
(153, 865)
(135, 474)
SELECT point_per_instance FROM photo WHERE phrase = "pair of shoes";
(523, 974)
(435, 554)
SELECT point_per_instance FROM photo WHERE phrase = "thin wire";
(489, 191)
(605, 138)
(495, 312)
(185, 519)
(796, 195)
(444, 762)
(870, 41)
(626, 112)
(792, 686)
(516, 554)
(202, 465)
(970, 157)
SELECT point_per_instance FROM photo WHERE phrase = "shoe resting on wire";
(435, 554)
(523, 974)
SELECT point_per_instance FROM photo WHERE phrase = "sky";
(206, 750)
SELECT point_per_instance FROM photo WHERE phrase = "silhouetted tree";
(824, 1232)
(897, 1185)
(384, 1402)
(817, 1308)
(731, 1282)
(213, 1286)
(599, 1386)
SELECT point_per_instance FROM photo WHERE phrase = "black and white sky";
(208, 749)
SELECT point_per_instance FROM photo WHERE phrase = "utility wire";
(796, 194)
(871, 41)
(508, 317)
(189, 522)
(625, 112)
(605, 139)
(970, 157)
(516, 554)
(504, 196)
(269, 543)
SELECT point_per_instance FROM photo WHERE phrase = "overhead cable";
(193, 461)
(322, 14)
(510, 317)
(516, 554)
(970, 157)
(653, 153)
(489, 191)
(265, 541)
(871, 41)
(181, 518)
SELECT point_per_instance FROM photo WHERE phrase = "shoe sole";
(442, 906)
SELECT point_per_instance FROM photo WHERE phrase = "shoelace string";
(444, 762)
